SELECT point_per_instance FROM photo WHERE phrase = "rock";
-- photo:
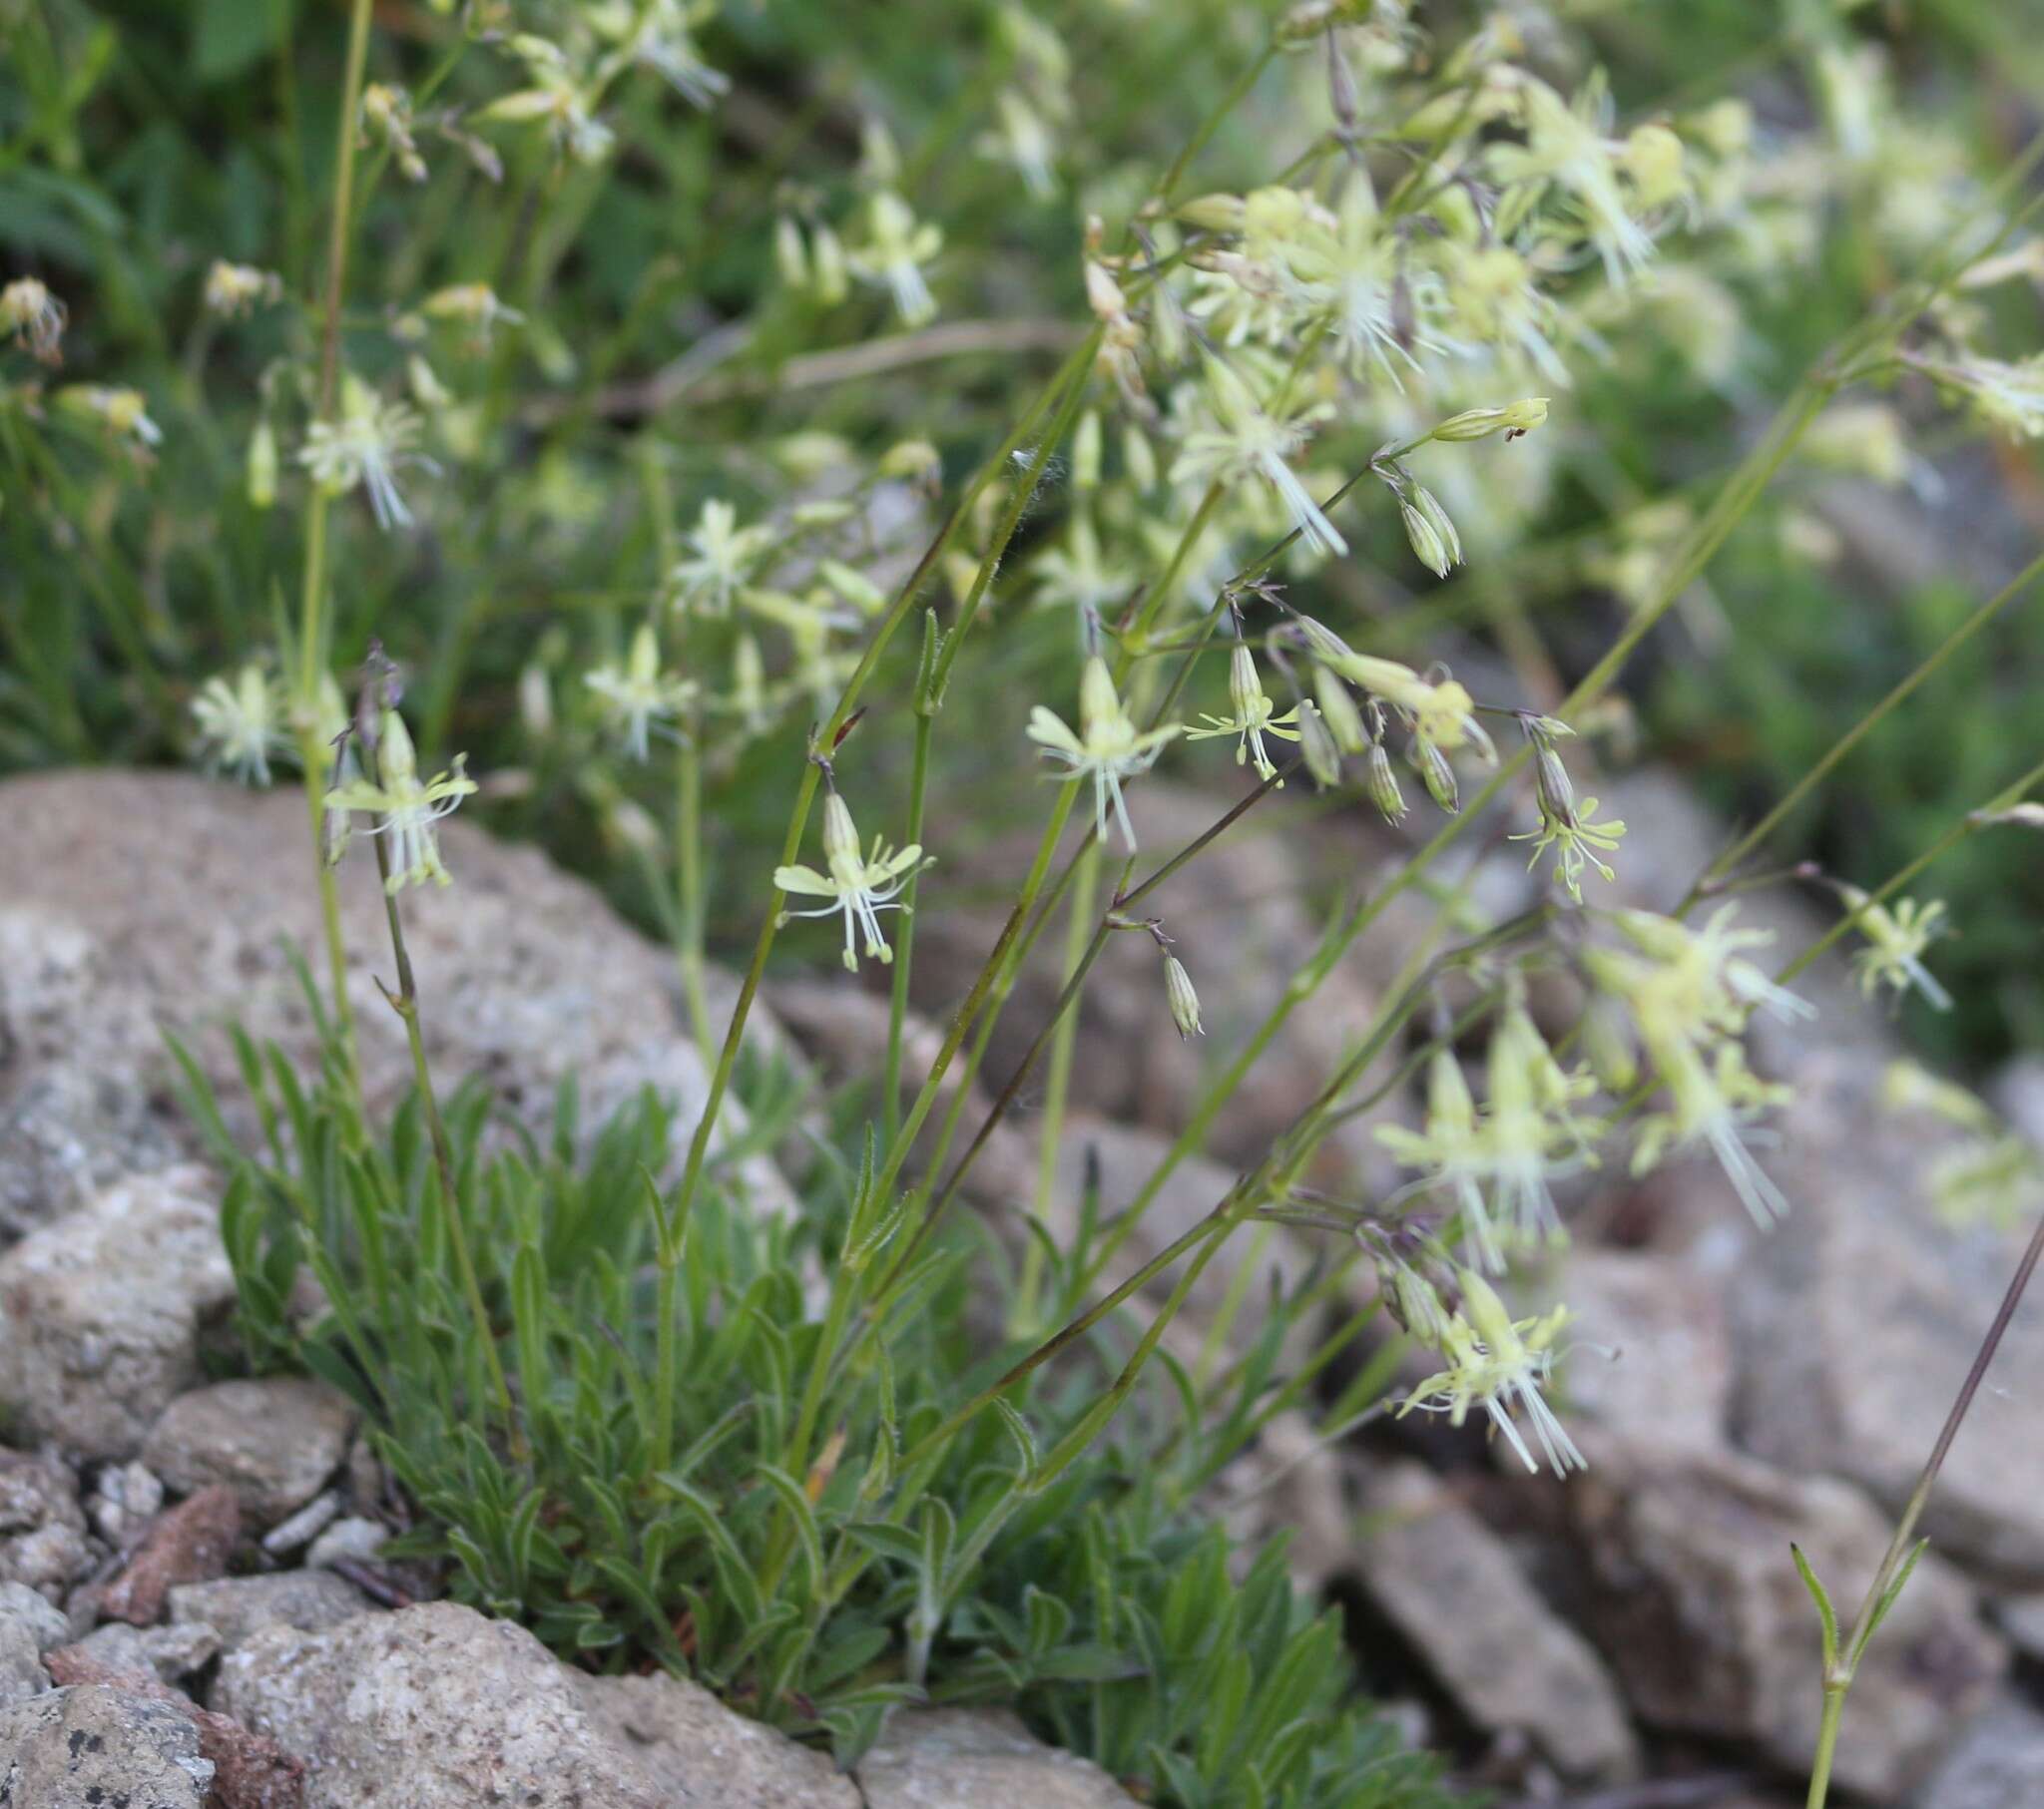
(696, 1750)
(462, 1709)
(164, 1653)
(42, 1529)
(1290, 1481)
(350, 1540)
(100, 1312)
(248, 1771)
(190, 1544)
(127, 1498)
(89, 1747)
(1649, 1355)
(113, 928)
(965, 1758)
(1695, 1592)
(466, 1709)
(29, 1627)
(274, 1440)
(2021, 1618)
(1996, 1763)
(237, 1606)
(1453, 1590)
(1856, 1321)
(300, 1531)
(1243, 920)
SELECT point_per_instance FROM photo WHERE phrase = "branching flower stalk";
(312, 629)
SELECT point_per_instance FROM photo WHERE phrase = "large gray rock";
(1996, 1763)
(1450, 1585)
(274, 1440)
(697, 1752)
(468, 1710)
(237, 1606)
(42, 1527)
(969, 1758)
(1696, 1595)
(139, 900)
(1856, 1321)
(100, 1313)
(1650, 1352)
(29, 1627)
(168, 1654)
(90, 1748)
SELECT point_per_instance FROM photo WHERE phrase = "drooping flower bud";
(1439, 775)
(1185, 1003)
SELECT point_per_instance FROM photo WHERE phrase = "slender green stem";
(1867, 724)
(1079, 935)
(690, 912)
(1826, 1746)
(312, 626)
(405, 1003)
(1968, 825)
(926, 707)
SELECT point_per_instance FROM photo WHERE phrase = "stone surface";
(2021, 1618)
(42, 1529)
(113, 926)
(100, 1312)
(1650, 1351)
(166, 1654)
(968, 1758)
(350, 1541)
(237, 1606)
(463, 1708)
(90, 1748)
(697, 1752)
(248, 1771)
(190, 1544)
(1856, 1321)
(1453, 1590)
(125, 1499)
(1694, 1594)
(274, 1440)
(1996, 1763)
(29, 1627)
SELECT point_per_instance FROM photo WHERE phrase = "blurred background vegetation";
(661, 364)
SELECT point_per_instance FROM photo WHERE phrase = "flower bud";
(1086, 451)
(1438, 776)
(841, 833)
(914, 461)
(1338, 706)
(854, 587)
(1185, 1003)
(790, 255)
(1435, 541)
(1514, 419)
(1140, 459)
(261, 468)
(827, 252)
(1316, 746)
(1382, 784)
(1213, 212)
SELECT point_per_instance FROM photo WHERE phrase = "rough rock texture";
(1697, 1595)
(697, 1752)
(1996, 1763)
(42, 1529)
(90, 1748)
(248, 1771)
(190, 1544)
(1241, 923)
(273, 1441)
(1858, 1319)
(1651, 1350)
(237, 1606)
(1453, 1590)
(164, 1653)
(100, 1312)
(29, 1627)
(968, 1758)
(113, 925)
(125, 1499)
(462, 1709)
